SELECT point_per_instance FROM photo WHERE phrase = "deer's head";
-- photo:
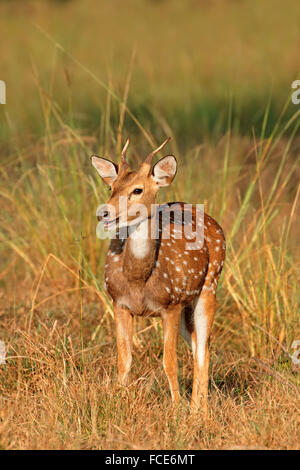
(132, 191)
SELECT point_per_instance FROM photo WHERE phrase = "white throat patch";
(139, 242)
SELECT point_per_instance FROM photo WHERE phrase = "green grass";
(189, 58)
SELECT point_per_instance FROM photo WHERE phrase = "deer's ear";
(106, 169)
(164, 170)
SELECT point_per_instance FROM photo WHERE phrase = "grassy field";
(81, 77)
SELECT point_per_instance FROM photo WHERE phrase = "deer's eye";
(137, 191)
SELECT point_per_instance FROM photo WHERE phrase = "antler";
(123, 154)
(123, 164)
(152, 154)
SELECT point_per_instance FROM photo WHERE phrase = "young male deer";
(160, 275)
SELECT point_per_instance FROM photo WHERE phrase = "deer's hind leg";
(203, 318)
(187, 326)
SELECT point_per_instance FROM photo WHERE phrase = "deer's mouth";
(120, 221)
(110, 223)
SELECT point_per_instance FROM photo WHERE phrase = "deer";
(154, 272)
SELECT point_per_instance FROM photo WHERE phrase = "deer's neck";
(140, 253)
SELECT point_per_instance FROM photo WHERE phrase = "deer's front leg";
(171, 326)
(124, 321)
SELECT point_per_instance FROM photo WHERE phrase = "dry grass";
(58, 387)
(56, 395)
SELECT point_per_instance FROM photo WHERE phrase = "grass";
(58, 388)
(190, 57)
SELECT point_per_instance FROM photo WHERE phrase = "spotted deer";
(160, 275)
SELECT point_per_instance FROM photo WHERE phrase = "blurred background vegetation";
(191, 59)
